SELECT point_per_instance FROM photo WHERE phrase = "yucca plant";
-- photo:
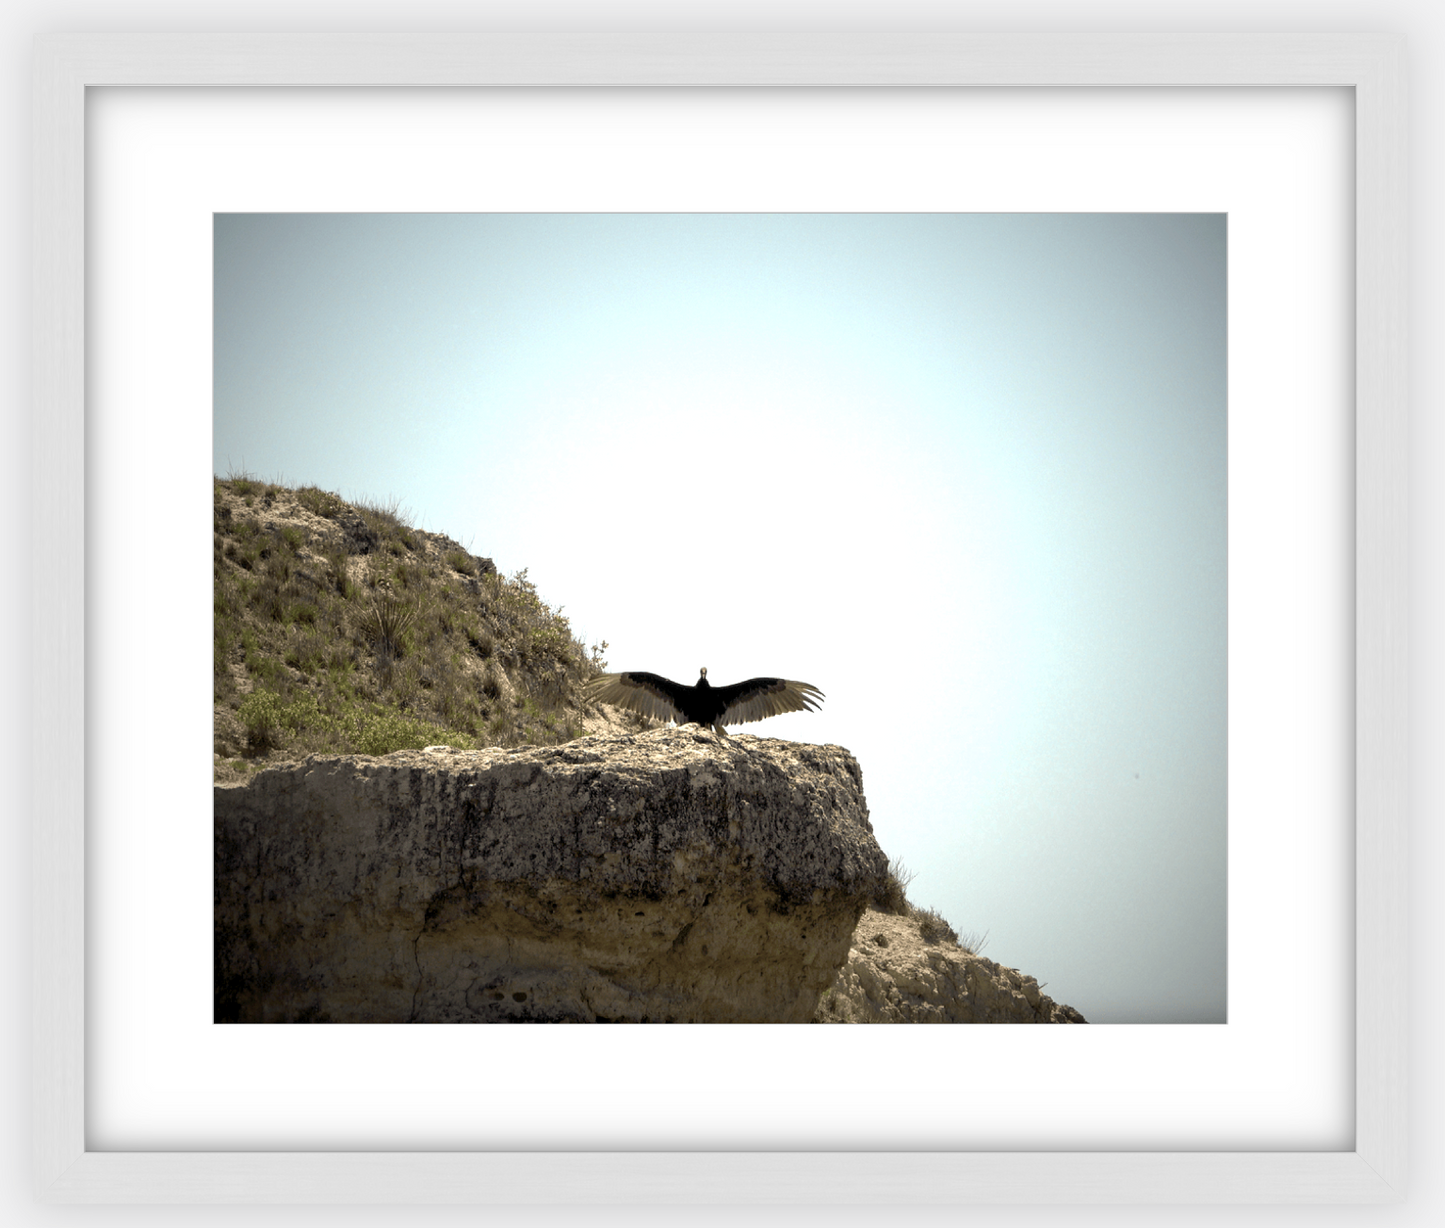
(390, 617)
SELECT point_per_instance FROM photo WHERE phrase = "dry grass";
(343, 628)
(932, 927)
(892, 897)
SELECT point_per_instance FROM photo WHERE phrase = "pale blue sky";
(965, 473)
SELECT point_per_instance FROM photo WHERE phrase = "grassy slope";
(342, 628)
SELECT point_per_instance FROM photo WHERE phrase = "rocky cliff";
(896, 973)
(664, 876)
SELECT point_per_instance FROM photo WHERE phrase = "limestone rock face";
(662, 876)
(895, 975)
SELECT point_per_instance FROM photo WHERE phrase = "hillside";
(342, 628)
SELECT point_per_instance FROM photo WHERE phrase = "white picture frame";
(1372, 66)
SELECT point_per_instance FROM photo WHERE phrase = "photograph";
(720, 618)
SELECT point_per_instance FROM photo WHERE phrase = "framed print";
(140, 1098)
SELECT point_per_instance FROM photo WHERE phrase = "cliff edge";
(664, 876)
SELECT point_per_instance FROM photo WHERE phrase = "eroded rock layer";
(895, 975)
(665, 876)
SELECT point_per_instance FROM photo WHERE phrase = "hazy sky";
(965, 473)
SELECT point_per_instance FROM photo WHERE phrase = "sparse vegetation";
(974, 943)
(320, 502)
(460, 560)
(932, 927)
(892, 897)
(390, 521)
(342, 628)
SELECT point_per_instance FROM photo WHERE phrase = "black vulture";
(704, 704)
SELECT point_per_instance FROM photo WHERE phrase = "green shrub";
(271, 604)
(260, 715)
(279, 567)
(339, 562)
(460, 560)
(382, 731)
(262, 667)
(548, 642)
(302, 612)
(320, 502)
(409, 575)
(306, 653)
(304, 712)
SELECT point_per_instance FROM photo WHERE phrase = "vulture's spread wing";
(759, 698)
(650, 694)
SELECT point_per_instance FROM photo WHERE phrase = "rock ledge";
(662, 876)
